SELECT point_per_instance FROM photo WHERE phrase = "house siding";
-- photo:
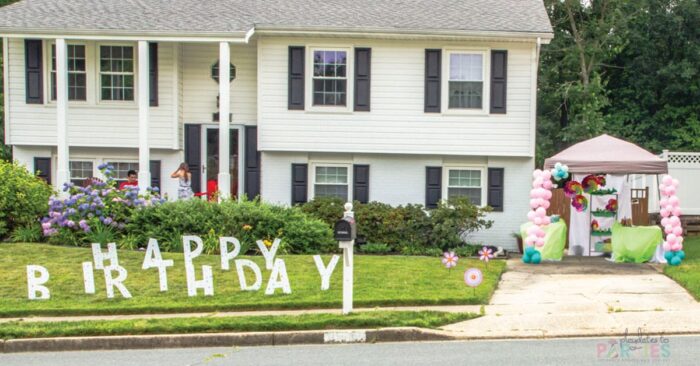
(91, 123)
(200, 90)
(397, 122)
(400, 179)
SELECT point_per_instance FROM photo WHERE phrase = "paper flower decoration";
(590, 183)
(449, 259)
(580, 203)
(560, 172)
(485, 254)
(573, 188)
(612, 205)
(473, 277)
(594, 225)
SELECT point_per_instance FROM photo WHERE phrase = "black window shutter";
(153, 73)
(495, 192)
(193, 154)
(299, 186)
(360, 184)
(363, 61)
(433, 186)
(154, 166)
(433, 71)
(34, 71)
(252, 162)
(296, 78)
(42, 169)
(499, 75)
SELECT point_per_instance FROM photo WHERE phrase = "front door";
(210, 166)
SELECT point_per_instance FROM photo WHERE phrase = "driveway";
(583, 296)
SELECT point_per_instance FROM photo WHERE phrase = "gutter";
(128, 35)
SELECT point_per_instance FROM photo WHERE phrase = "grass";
(379, 281)
(363, 320)
(688, 273)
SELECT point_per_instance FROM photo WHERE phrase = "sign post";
(345, 233)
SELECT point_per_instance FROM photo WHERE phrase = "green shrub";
(374, 248)
(23, 197)
(27, 234)
(408, 229)
(467, 250)
(248, 221)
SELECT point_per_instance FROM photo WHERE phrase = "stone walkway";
(583, 297)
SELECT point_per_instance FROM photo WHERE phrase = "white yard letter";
(35, 284)
(111, 283)
(269, 254)
(324, 271)
(240, 263)
(99, 257)
(88, 278)
(278, 279)
(206, 283)
(153, 259)
(226, 256)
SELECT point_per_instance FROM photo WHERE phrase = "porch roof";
(237, 17)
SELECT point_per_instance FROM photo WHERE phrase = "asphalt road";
(677, 350)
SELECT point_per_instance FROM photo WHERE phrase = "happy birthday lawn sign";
(115, 275)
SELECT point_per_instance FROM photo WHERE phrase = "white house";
(399, 101)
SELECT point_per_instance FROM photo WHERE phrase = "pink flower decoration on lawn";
(449, 259)
(485, 254)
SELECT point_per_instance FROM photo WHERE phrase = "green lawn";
(362, 320)
(379, 281)
(688, 273)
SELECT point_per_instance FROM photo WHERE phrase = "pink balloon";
(669, 208)
(675, 221)
(537, 221)
(540, 242)
(546, 174)
(668, 229)
(677, 231)
(530, 215)
(541, 212)
(676, 247)
(667, 180)
(547, 184)
(663, 202)
(663, 212)
(667, 246)
(671, 238)
(673, 200)
(546, 204)
(547, 195)
(679, 240)
(546, 220)
(670, 190)
(541, 234)
(542, 201)
(537, 183)
(676, 183)
(532, 230)
(677, 212)
(537, 173)
(664, 221)
(534, 203)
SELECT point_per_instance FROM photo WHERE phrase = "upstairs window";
(330, 80)
(331, 181)
(117, 72)
(77, 80)
(466, 81)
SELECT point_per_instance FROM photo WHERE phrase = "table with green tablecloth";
(635, 244)
(554, 240)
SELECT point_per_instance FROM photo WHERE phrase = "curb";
(406, 334)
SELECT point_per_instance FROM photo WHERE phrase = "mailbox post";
(345, 232)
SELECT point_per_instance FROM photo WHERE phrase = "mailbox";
(344, 229)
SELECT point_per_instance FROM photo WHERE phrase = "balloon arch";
(541, 193)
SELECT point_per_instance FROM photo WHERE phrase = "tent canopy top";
(607, 154)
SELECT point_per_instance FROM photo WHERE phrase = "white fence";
(684, 166)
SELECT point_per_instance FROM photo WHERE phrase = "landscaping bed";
(379, 281)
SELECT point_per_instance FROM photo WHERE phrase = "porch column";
(62, 167)
(144, 104)
(224, 177)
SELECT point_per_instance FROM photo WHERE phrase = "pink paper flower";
(485, 254)
(449, 259)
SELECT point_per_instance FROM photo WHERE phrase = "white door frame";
(241, 152)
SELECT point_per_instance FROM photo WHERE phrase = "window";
(466, 81)
(331, 181)
(122, 168)
(117, 72)
(329, 79)
(80, 171)
(76, 72)
(465, 183)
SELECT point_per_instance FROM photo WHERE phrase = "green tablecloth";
(635, 244)
(554, 240)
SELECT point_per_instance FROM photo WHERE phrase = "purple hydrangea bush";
(96, 208)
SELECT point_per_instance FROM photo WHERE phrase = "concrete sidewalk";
(583, 297)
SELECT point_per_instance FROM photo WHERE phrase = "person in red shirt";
(131, 180)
